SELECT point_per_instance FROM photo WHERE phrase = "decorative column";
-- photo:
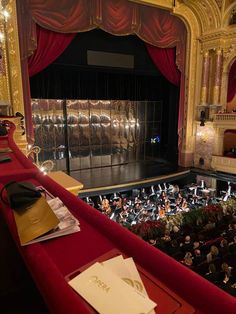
(205, 78)
(4, 84)
(218, 73)
(11, 92)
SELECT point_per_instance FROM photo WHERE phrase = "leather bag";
(20, 195)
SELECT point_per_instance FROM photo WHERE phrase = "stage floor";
(127, 176)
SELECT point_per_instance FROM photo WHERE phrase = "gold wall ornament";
(229, 52)
(10, 76)
(219, 3)
(165, 4)
(13, 59)
(4, 84)
(207, 13)
(33, 153)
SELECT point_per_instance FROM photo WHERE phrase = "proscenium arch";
(193, 71)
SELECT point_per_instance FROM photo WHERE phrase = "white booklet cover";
(108, 293)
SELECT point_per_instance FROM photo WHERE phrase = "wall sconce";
(46, 166)
(202, 118)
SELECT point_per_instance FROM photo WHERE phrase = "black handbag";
(20, 194)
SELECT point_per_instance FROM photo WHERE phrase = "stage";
(105, 180)
(124, 177)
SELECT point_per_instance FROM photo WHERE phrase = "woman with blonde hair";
(188, 259)
(214, 252)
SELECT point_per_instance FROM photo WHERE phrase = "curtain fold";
(164, 59)
(232, 82)
(118, 17)
(50, 46)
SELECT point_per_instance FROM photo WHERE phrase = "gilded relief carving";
(219, 3)
(10, 77)
(228, 3)
(15, 83)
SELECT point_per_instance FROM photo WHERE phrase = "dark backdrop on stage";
(70, 77)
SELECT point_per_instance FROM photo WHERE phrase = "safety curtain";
(119, 17)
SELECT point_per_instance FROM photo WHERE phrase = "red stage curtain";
(232, 82)
(164, 59)
(118, 17)
(50, 46)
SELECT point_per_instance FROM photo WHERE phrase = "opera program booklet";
(68, 224)
(114, 286)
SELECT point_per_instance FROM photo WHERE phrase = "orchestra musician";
(105, 206)
(144, 216)
(162, 211)
(167, 206)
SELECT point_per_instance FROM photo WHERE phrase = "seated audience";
(212, 274)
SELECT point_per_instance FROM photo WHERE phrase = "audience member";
(214, 252)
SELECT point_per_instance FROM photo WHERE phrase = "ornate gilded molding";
(4, 84)
(166, 4)
(229, 56)
(192, 75)
(10, 79)
(218, 35)
(227, 14)
(219, 3)
(13, 56)
(207, 12)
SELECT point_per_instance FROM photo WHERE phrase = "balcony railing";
(225, 164)
(222, 117)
